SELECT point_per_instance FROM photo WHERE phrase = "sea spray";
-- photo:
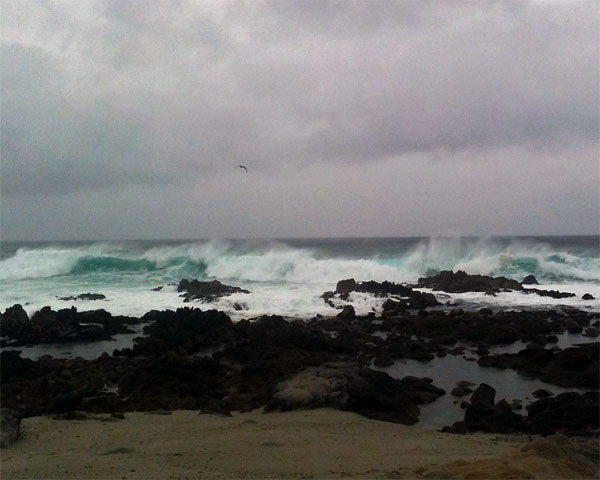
(285, 276)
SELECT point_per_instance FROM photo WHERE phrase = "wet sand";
(302, 444)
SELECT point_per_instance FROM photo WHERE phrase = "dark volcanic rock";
(190, 329)
(460, 282)
(482, 414)
(347, 313)
(63, 326)
(587, 296)
(420, 390)
(530, 280)
(14, 322)
(206, 291)
(549, 293)
(591, 332)
(542, 393)
(483, 396)
(84, 296)
(568, 412)
(402, 297)
(460, 391)
(347, 387)
(65, 402)
(572, 367)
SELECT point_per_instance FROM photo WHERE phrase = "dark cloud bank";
(129, 119)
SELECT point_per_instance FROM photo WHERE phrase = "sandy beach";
(319, 443)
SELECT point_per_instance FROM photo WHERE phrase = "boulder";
(347, 313)
(345, 386)
(84, 296)
(206, 291)
(587, 296)
(460, 282)
(483, 397)
(569, 412)
(421, 390)
(14, 321)
(530, 280)
(542, 393)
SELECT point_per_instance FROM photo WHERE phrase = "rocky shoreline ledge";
(201, 360)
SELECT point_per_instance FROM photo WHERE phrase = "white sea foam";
(283, 278)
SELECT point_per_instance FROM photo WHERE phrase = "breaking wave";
(272, 261)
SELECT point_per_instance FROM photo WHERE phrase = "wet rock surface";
(461, 282)
(84, 296)
(63, 326)
(569, 413)
(572, 367)
(194, 359)
(206, 291)
(401, 297)
(345, 386)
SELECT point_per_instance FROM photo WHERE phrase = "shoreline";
(319, 443)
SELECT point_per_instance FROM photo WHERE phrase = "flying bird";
(241, 166)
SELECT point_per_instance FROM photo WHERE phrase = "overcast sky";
(128, 119)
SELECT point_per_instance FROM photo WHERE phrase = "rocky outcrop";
(84, 296)
(571, 412)
(460, 282)
(401, 298)
(572, 367)
(529, 280)
(14, 322)
(62, 326)
(549, 293)
(346, 387)
(482, 414)
(189, 329)
(206, 291)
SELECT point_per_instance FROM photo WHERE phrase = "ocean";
(288, 276)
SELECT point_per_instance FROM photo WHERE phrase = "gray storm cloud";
(416, 117)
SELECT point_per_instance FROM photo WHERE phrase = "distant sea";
(288, 276)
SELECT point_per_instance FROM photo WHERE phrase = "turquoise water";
(284, 276)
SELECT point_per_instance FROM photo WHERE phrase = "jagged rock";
(483, 396)
(421, 390)
(572, 367)
(188, 328)
(64, 326)
(206, 291)
(542, 393)
(403, 297)
(347, 313)
(460, 282)
(530, 280)
(549, 293)
(14, 321)
(460, 391)
(64, 403)
(84, 296)
(569, 412)
(591, 332)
